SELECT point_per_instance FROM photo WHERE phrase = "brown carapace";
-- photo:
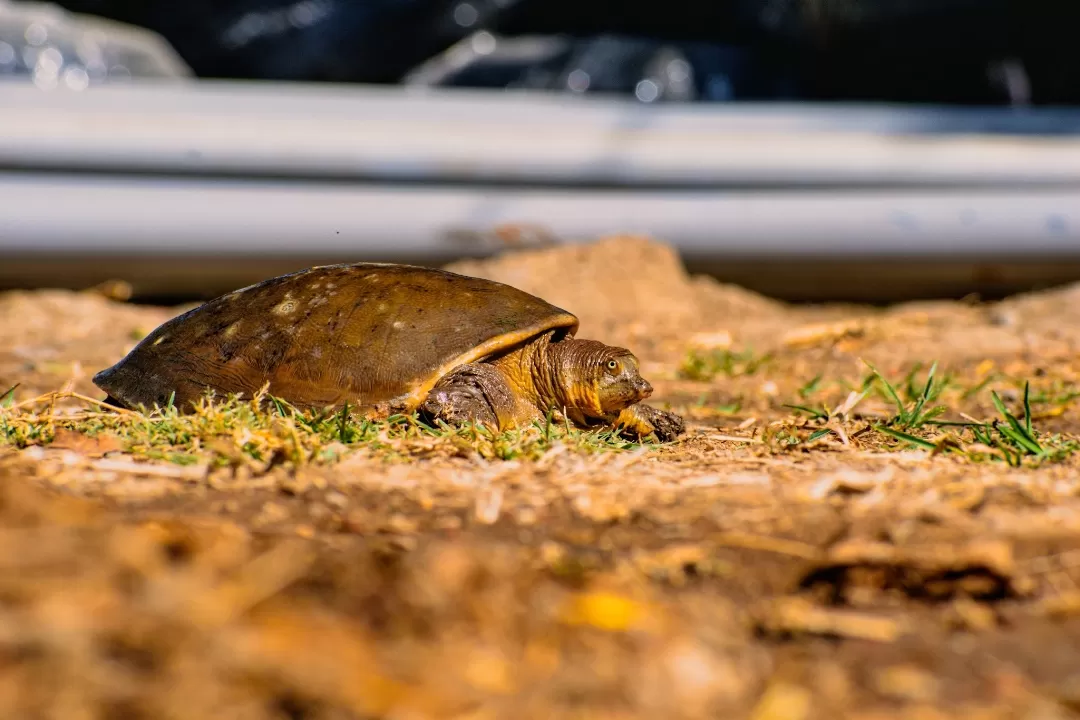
(386, 339)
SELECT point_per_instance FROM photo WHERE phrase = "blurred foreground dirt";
(709, 578)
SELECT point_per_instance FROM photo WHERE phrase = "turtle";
(385, 338)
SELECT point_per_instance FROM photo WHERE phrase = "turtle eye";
(612, 365)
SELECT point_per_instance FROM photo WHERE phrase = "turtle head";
(598, 380)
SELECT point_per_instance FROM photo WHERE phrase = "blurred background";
(865, 150)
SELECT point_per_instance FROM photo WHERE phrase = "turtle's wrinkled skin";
(388, 339)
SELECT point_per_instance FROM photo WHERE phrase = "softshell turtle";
(387, 339)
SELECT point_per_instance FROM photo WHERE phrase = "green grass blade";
(1012, 457)
(901, 411)
(923, 397)
(925, 444)
(929, 382)
(929, 415)
(809, 388)
(8, 398)
(982, 435)
(1015, 433)
(953, 423)
(343, 436)
(818, 414)
(1027, 408)
(971, 392)
(1002, 410)
(1018, 434)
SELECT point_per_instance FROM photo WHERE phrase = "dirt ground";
(754, 568)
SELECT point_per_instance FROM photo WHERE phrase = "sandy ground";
(730, 574)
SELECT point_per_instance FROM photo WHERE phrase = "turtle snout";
(642, 387)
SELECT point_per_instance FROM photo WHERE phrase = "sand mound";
(624, 289)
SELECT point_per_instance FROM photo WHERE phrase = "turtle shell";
(364, 333)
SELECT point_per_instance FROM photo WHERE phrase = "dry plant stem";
(52, 397)
(780, 546)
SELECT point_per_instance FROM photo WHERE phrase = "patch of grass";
(785, 437)
(1057, 395)
(916, 408)
(707, 364)
(1016, 440)
(918, 401)
(240, 432)
(1008, 438)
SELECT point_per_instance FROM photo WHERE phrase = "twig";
(748, 541)
(734, 438)
(795, 615)
(52, 397)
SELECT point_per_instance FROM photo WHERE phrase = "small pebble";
(337, 499)
(908, 683)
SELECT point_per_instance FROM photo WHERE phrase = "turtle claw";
(667, 425)
(457, 407)
(643, 420)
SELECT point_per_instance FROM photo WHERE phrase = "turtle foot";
(642, 420)
(469, 393)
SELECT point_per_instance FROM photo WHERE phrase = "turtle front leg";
(642, 419)
(476, 393)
